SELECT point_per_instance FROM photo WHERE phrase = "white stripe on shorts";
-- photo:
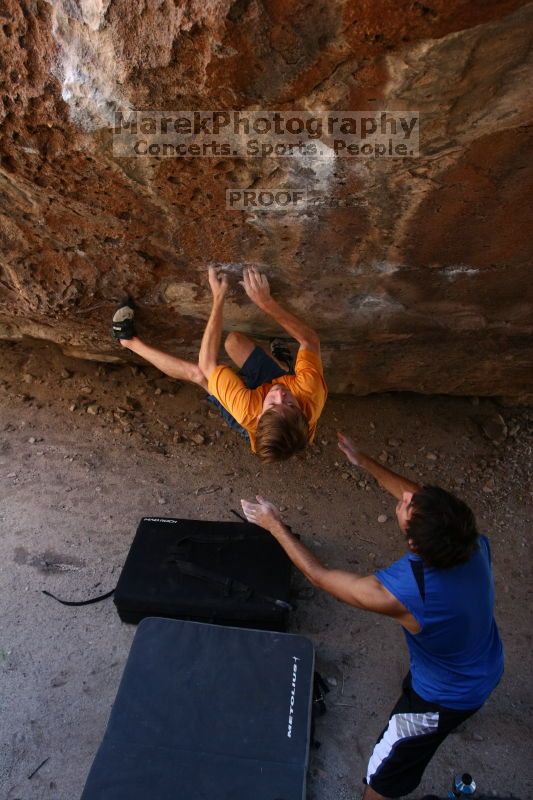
(401, 726)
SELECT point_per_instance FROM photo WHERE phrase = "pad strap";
(80, 602)
(229, 584)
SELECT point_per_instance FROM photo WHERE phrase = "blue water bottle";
(463, 786)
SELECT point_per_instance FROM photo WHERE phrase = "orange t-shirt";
(307, 385)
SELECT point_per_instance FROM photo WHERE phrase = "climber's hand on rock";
(256, 286)
(218, 282)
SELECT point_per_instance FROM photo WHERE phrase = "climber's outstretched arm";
(209, 349)
(257, 288)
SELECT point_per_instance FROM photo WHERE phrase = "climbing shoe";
(123, 325)
(281, 353)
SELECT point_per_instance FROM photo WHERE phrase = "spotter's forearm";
(392, 482)
(299, 554)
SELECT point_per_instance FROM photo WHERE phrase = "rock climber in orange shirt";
(276, 409)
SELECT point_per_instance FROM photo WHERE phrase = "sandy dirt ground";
(86, 450)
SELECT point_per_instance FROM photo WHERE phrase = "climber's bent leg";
(239, 347)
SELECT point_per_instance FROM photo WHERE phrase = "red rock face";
(417, 280)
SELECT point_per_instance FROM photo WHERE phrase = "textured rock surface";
(422, 286)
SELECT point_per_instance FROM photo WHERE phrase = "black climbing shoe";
(281, 353)
(123, 325)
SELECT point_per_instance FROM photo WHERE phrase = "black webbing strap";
(418, 572)
(319, 708)
(80, 602)
(228, 584)
(320, 690)
(198, 538)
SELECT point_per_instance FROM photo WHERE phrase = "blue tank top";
(457, 658)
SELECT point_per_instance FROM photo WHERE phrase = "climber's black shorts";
(406, 746)
(258, 369)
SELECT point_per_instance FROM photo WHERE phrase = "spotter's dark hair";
(442, 528)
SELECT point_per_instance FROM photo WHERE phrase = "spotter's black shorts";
(415, 730)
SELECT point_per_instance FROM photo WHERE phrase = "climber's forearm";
(209, 349)
(293, 325)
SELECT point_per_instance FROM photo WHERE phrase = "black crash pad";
(206, 712)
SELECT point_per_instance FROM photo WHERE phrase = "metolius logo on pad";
(293, 695)
(161, 519)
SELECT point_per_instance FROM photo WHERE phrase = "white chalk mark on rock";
(88, 68)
